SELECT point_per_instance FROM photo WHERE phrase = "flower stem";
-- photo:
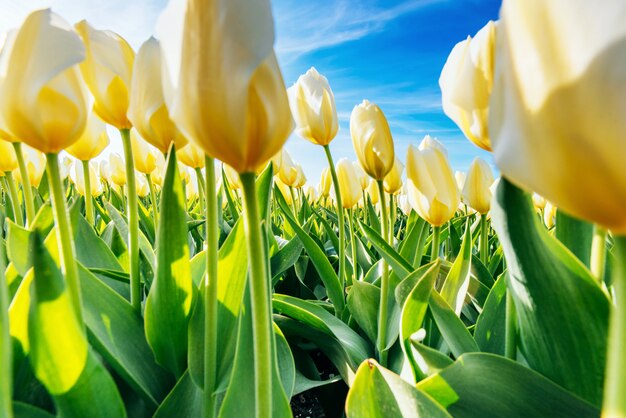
(15, 199)
(434, 254)
(259, 291)
(88, 197)
(133, 223)
(355, 264)
(598, 253)
(64, 234)
(210, 290)
(614, 404)
(484, 239)
(340, 220)
(153, 200)
(26, 188)
(384, 281)
(201, 189)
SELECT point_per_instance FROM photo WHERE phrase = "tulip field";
(199, 272)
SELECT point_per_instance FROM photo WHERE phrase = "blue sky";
(387, 51)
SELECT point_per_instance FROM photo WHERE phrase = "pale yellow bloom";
(349, 186)
(92, 142)
(43, 101)
(313, 107)
(549, 215)
(185, 176)
(108, 72)
(117, 169)
(284, 190)
(35, 166)
(8, 159)
(373, 193)
(431, 185)
(144, 155)
(78, 178)
(191, 155)
(288, 173)
(466, 83)
(477, 188)
(232, 176)
(300, 178)
(460, 177)
(326, 182)
(393, 180)
(142, 187)
(360, 175)
(539, 201)
(371, 139)
(104, 171)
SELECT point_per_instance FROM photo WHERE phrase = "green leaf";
(481, 385)
(378, 392)
(457, 281)
(399, 265)
(562, 312)
(6, 345)
(122, 228)
(575, 234)
(411, 247)
(185, 400)
(491, 324)
(452, 329)
(363, 302)
(429, 360)
(172, 294)
(24, 410)
(285, 257)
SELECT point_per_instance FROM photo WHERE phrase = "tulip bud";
(8, 159)
(466, 82)
(35, 166)
(158, 175)
(117, 169)
(277, 161)
(360, 175)
(104, 171)
(142, 187)
(477, 188)
(78, 178)
(232, 177)
(288, 173)
(326, 182)
(404, 204)
(538, 201)
(185, 176)
(371, 139)
(191, 191)
(460, 177)
(549, 215)
(373, 193)
(144, 154)
(349, 187)
(92, 142)
(431, 185)
(310, 193)
(393, 181)
(43, 101)
(284, 190)
(66, 166)
(147, 110)
(108, 72)
(313, 107)
(559, 128)
(300, 178)
(228, 94)
(191, 155)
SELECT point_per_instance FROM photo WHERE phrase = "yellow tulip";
(404, 204)
(284, 190)
(191, 155)
(104, 171)
(559, 129)
(373, 193)
(311, 193)
(66, 166)
(393, 181)
(360, 175)
(148, 111)
(232, 177)
(117, 169)
(43, 101)
(313, 107)
(191, 191)
(142, 188)
(8, 160)
(144, 155)
(466, 83)
(371, 139)
(349, 186)
(539, 201)
(185, 176)
(326, 182)
(288, 173)
(549, 215)
(277, 161)
(78, 178)
(477, 188)
(92, 142)
(158, 175)
(431, 185)
(108, 72)
(300, 178)
(35, 166)
(460, 178)
(230, 97)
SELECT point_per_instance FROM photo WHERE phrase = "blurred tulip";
(539, 201)
(393, 181)
(78, 178)
(35, 166)
(466, 82)
(117, 169)
(460, 177)
(191, 155)
(232, 177)
(66, 167)
(223, 85)
(371, 139)
(360, 175)
(148, 111)
(404, 204)
(300, 178)
(349, 186)
(108, 72)
(432, 188)
(104, 171)
(43, 101)
(559, 129)
(549, 215)
(8, 160)
(158, 174)
(311, 193)
(185, 175)
(143, 188)
(144, 154)
(326, 182)
(191, 191)
(288, 173)
(372, 192)
(284, 190)
(313, 107)
(477, 189)
(277, 160)
(92, 142)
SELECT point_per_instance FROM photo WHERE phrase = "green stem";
(88, 197)
(384, 281)
(201, 189)
(510, 338)
(614, 404)
(64, 234)
(355, 264)
(392, 218)
(259, 291)
(598, 253)
(210, 291)
(26, 188)
(133, 223)
(340, 220)
(434, 254)
(153, 200)
(484, 239)
(15, 199)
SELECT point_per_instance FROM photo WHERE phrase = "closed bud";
(393, 181)
(8, 159)
(78, 178)
(326, 182)
(477, 189)
(288, 173)
(191, 155)
(232, 176)
(92, 142)
(300, 178)
(35, 166)
(371, 139)
(117, 169)
(144, 154)
(349, 186)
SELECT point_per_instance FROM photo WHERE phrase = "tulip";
(360, 175)
(277, 161)
(539, 201)
(477, 188)
(285, 191)
(192, 190)
(77, 176)
(185, 176)
(143, 188)
(432, 188)
(191, 155)
(8, 160)
(300, 178)
(326, 183)
(313, 107)
(349, 186)
(460, 178)
(35, 167)
(144, 155)
(288, 173)
(371, 139)
(117, 169)
(148, 111)
(311, 193)
(404, 204)
(8, 163)
(104, 171)
(372, 192)
(393, 180)
(232, 177)
(549, 215)
(466, 83)
(92, 142)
